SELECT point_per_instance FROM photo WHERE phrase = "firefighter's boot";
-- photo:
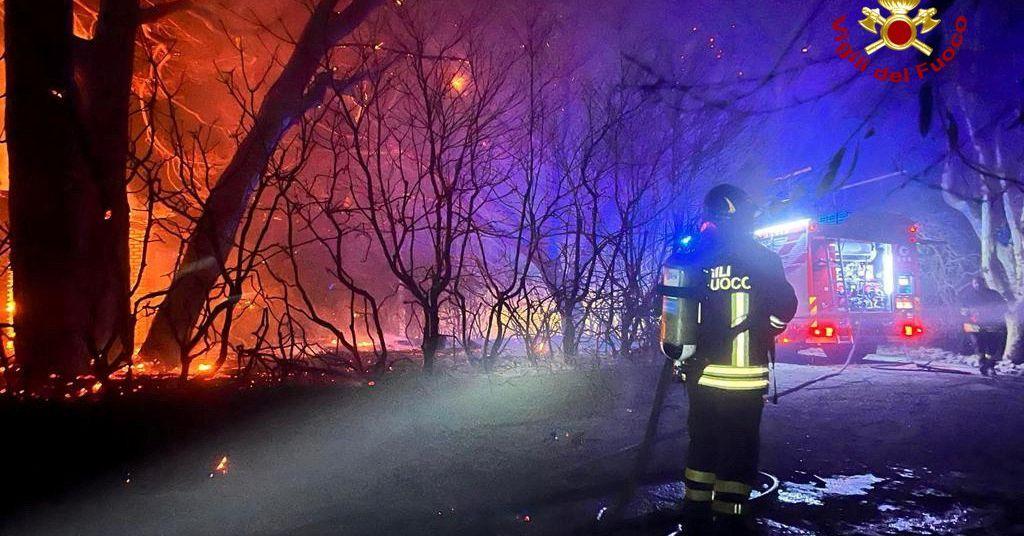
(735, 525)
(697, 519)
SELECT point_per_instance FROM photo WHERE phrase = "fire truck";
(857, 279)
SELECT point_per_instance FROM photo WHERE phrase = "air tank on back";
(680, 307)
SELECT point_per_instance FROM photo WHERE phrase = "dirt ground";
(529, 451)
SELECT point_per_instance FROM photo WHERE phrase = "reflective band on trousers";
(725, 507)
(733, 384)
(735, 488)
(703, 477)
(698, 495)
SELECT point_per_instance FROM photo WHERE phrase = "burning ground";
(525, 451)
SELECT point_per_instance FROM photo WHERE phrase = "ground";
(880, 449)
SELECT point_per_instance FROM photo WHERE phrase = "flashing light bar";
(783, 228)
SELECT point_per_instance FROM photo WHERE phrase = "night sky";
(796, 38)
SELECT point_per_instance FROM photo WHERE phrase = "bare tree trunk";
(431, 336)
(105, 70)
(47, 241)
(211, 240)
(1015, 333)
(570, 344)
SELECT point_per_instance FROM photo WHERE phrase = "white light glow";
(784, 228)
(889, 279)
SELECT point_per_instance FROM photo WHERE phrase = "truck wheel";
(863, 350)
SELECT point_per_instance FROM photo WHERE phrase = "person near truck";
(985, 322)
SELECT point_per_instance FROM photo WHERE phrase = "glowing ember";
(96, 387)
(459, 83)
(221, 468)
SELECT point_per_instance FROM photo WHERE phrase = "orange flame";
(221, 468)
(459, 83)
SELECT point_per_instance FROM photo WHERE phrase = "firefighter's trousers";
(724, 428)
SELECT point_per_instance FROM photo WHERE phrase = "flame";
(459, 83)
(204, 367)
(10, 306)
(221, 468)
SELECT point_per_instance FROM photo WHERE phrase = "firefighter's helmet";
(729, 205)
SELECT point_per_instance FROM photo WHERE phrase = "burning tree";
(506, 195)
(68, 114)
(304, 80)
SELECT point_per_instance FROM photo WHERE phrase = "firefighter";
(986, 324)
(742, 302)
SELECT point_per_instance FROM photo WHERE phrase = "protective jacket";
(744, 303)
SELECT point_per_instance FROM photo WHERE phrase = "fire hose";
(846, 364)
(618, 508)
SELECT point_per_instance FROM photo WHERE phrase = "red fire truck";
(857, 277)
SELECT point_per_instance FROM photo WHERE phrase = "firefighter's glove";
(680, 368)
